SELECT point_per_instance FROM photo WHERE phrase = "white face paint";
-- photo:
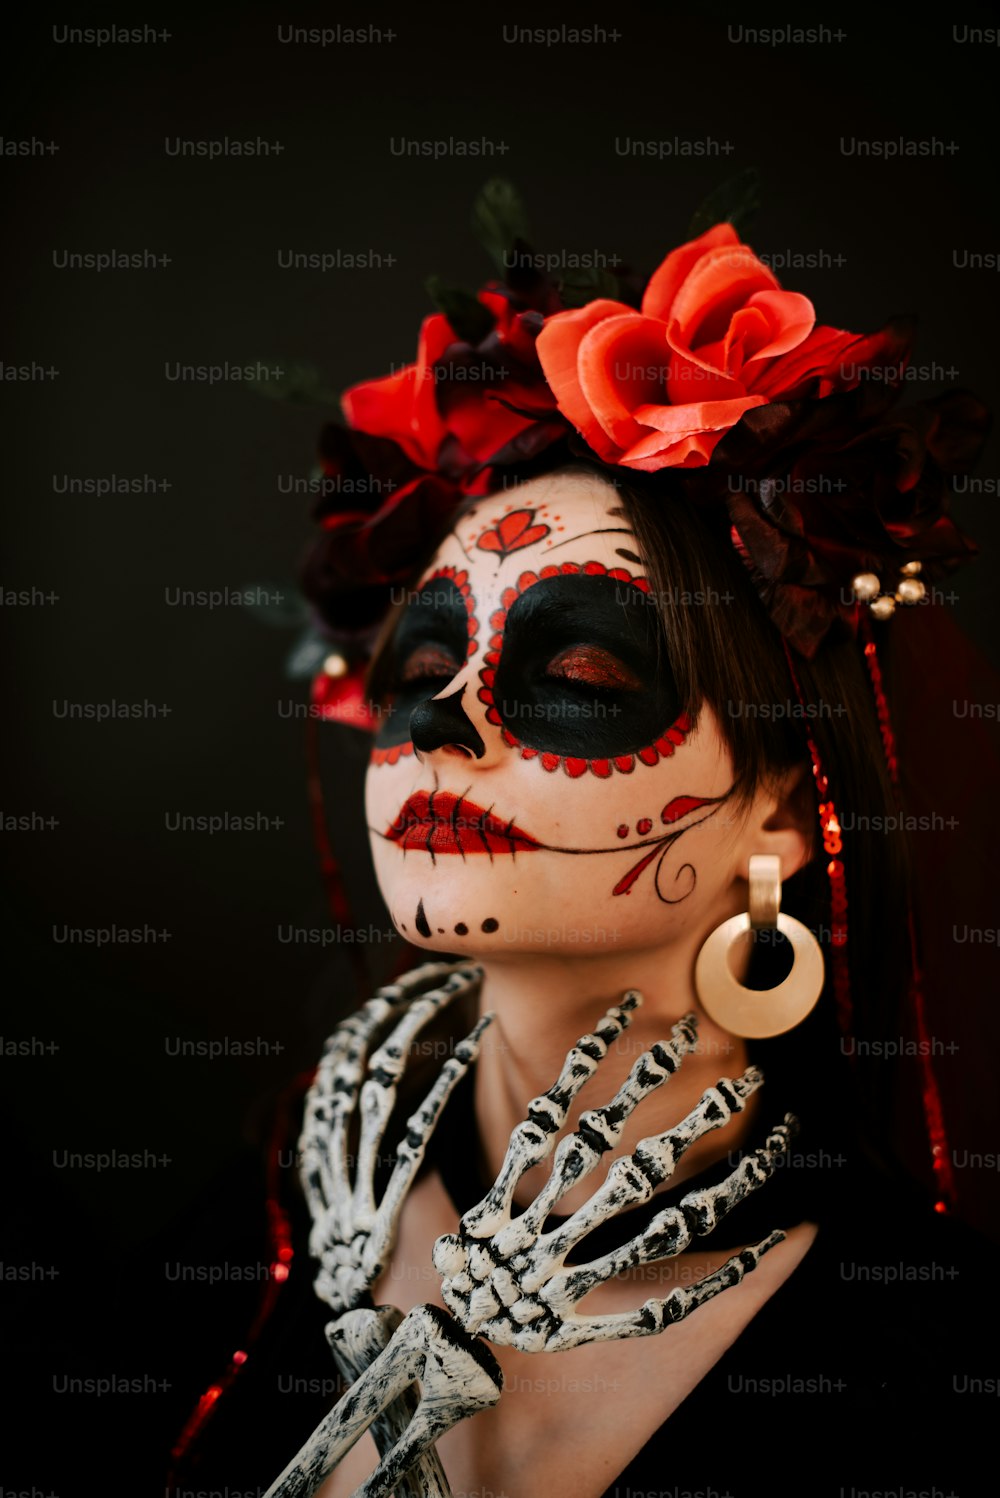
(535, 785)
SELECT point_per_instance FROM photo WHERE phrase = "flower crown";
(710, 377)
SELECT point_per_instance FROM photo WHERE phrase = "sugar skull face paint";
(436, 634)
(537, 774)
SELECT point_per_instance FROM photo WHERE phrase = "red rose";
(460, 404)
(715, 336)
(402, 406)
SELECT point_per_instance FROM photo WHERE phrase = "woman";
(630, 651)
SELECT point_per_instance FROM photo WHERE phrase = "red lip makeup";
(439, 822)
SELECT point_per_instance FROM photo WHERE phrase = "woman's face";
(535, 785)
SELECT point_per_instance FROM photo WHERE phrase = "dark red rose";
(817, 492)
(460, 405)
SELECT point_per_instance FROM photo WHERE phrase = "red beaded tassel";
(933, 1112)
(281, 1254)
(832, 845)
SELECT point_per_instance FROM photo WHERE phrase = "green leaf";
(301, 384)
(578, 287)
(734, 202)
(468, 317)
(499, 217)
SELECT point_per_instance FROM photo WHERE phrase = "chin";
(440, 907)
(455, 913)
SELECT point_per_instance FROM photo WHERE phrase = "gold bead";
(335, 665)
(866, 586)
(884, 607)
(910, 590)
(910, 569)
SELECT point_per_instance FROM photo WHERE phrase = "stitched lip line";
(440, 822)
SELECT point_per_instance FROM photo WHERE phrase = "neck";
(544, 1003)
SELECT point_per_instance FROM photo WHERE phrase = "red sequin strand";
(833, 845)
(280, 1254)
(933, 1111)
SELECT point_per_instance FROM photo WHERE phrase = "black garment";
(870, 1371)
(864, 1354)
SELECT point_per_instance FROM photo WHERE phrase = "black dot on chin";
(461, 929)
(440, 931)
(490, 924)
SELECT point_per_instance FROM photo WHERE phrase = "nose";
(443, 722)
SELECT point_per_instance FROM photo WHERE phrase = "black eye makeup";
(435, 636)
(576, 673)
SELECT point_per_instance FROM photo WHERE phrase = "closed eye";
(428, 663)
(592, 666)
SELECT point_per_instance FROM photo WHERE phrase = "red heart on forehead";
(512, 532)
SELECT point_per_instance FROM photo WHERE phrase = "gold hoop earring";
(747, 1012)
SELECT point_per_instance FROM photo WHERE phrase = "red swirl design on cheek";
(572, 765)
(679, 807)
(672, 813)
(460, 578)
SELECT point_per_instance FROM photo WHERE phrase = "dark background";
(223, 522)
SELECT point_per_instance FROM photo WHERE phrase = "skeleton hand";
(503, 1278)
(352, 1235)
